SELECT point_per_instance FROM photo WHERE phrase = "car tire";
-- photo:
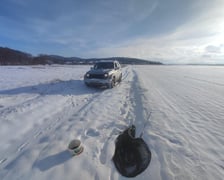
(120, 78)
(112, 83)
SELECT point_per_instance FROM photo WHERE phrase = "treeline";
(14, 57)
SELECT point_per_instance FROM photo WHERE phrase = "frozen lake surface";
(43, 108)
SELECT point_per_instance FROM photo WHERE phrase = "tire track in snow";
(138, 105)
(92, 122)
(47, 127)
(96, 121)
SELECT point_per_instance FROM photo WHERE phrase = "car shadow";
(55, 87)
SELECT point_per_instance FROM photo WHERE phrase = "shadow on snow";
(52, 161)
(55, 87)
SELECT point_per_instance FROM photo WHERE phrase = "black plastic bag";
(132, 155)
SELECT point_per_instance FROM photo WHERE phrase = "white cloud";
(199, 40)
(146, 29)
(214, 49)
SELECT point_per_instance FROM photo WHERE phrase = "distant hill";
(14, 57)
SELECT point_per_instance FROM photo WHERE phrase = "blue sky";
(170, 31)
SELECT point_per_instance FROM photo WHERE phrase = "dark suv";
(104, 73)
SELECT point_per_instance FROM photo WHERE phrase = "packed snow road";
(43, 108)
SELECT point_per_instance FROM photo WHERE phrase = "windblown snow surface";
(43, 108)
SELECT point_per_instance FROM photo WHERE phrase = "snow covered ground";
(43, 108)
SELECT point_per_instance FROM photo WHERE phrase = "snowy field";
(43, 108)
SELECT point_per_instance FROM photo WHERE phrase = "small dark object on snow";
(132, 155)
(75, 147)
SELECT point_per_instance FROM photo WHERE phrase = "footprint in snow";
(175, 141)
(122, 111)
(44, 139)
(103, 153)
(92, 132)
